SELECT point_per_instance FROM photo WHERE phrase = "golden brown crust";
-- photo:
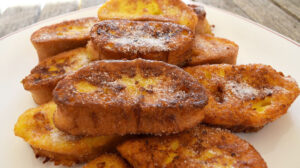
(145, 10)
(125, 39)
(202, 26)
(208, 49)
(44, 77)
(200, 147)
(121, 97)
(36, 127)
(108, 160)
(244, 97)
(51, 40)
(61, 159)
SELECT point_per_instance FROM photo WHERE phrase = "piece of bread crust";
(244, 97)
(125, 39)
(44, 77)
(200, 147)
(202, 26)
(174, 11)
(128, 97)
(108, 160)
(208, 49)
(36, 127)
(54, 39)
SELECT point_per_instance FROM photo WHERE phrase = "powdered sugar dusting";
(151, 42)
(243, 90)
(77, 62)
(140, 37)
(57, 136)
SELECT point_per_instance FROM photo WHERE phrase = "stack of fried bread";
(147, 84)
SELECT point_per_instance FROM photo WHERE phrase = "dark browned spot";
(219, 94)
(94, 119)
(171, 119)
(39, 116)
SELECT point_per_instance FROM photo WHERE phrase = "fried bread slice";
(36, 127)
(125, 39)
(244, 97)
(128, 97)
(156, 10)
(200, 147)
(54, 39)
(107, 161)
(44, 77)
(208, 49)
(202, 26)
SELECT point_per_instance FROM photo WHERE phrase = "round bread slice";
(36, 127)
(128, 97)
(200, 147)
(244, 97)
(154, 40)
(43, 78)
(56, 38)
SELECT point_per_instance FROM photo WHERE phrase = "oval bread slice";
(174, 11)
(128, 97)
(54, 39)
(208, 49)
(244, 97)
(125, 39)
(36, 127)
(44, 77)
(200, 147)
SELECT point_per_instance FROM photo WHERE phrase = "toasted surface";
(125, 39)
(208, 49)
(122, 97)
(67, 35)
(36, 127)
(200, 147)
(44, 77)
(107, 161)
(244, 97)
(167, 10)
(202, 27)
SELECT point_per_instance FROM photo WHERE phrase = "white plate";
(278, 142)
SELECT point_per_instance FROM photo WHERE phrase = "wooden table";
(282, 16)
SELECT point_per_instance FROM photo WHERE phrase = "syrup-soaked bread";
(244, 97)
(54, 39)
(174, 11)
(202, 26)
(128, 97)
(125, 39)
(36, 127)
(200, 147)
(108, 160)
(208, 49)
(44, 77)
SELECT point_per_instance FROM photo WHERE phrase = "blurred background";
(282, 16)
